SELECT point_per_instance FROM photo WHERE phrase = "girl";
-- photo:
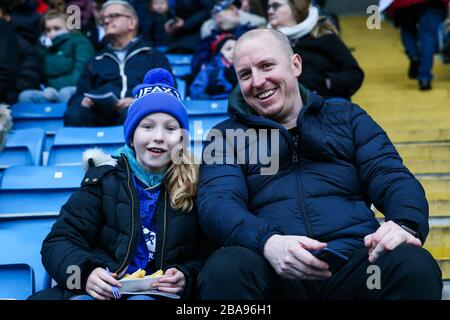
(136, 210)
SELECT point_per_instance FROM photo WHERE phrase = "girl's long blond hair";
(181, 181)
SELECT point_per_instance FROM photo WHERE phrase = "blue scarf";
(149, 178)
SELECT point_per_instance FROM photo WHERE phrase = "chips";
(157, 274)
(138, 274)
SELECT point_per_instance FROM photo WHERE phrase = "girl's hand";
(99, 284)
(173, 282)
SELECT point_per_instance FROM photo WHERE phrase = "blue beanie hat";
(155, 94)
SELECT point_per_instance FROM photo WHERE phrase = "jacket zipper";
(297, 173)
(122, 67)
(164, 232)
(132, 218)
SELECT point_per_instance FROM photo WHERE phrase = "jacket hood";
(97, 157)
(238, 107)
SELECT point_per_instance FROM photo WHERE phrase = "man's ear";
(133, 24)
(296, 64)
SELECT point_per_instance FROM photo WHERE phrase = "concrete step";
(398, 135)
(425, 151)
(436, 187)
(437, 242)
(428, 167)
(437, 208)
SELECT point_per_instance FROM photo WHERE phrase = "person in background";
(229, 17)
(329, 68)
(63, 56)
(216, 79)
(118, 68)
(28, 75)
(227, 20)
(153, 25)
(9, 60)
(419, 21)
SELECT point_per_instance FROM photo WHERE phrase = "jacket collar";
(239, 108)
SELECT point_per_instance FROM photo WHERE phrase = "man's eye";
(267, 65)
(244, 76)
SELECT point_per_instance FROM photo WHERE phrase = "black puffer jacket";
(100, 226)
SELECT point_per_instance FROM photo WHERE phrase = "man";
(334, 161)
(117, 69)
(226, 15)
(226, 20)
(9, 60)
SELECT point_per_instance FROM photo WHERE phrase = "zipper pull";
(294, 154)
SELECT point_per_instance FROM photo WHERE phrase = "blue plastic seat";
(206, 107)
(70, 143)
(47, 116)
(181, 70)
(21, 242)
(16, 281)
(181, 86)
(199, 126)
(27, 191)
(179, 59)
(23, 147)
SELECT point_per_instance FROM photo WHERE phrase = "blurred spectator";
(185, 32)
(253, 6)
(9, 61)
(227, 21)
(28, 74)
(94, 30)
(63, 56)
(446, 48)
(153, 25)
(217, 79)
(329, 68)
(226, 15)
(58, 5)
(119, 67)
(25, 20)
(419, 21)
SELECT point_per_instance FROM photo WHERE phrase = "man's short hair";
(281, 38)
(128, 7)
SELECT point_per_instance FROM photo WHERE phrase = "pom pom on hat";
(155, 94)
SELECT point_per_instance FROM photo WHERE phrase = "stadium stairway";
(417, 122)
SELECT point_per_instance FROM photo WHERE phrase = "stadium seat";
(27, 191)
(20, 257)
(179, 59)
(181, 86)
(206, 107)
(181, 70)
(48, 116)
(16, 281)
(70, 143)
(23, 147)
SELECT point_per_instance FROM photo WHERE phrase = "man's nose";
(258, 79)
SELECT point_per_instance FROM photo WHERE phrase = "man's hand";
(123, 103)
(174, 27)
(388, 236)
(99, 284)
(291, 259)
(87, 102)
(173, 282)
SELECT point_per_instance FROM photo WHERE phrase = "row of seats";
(39, 127)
